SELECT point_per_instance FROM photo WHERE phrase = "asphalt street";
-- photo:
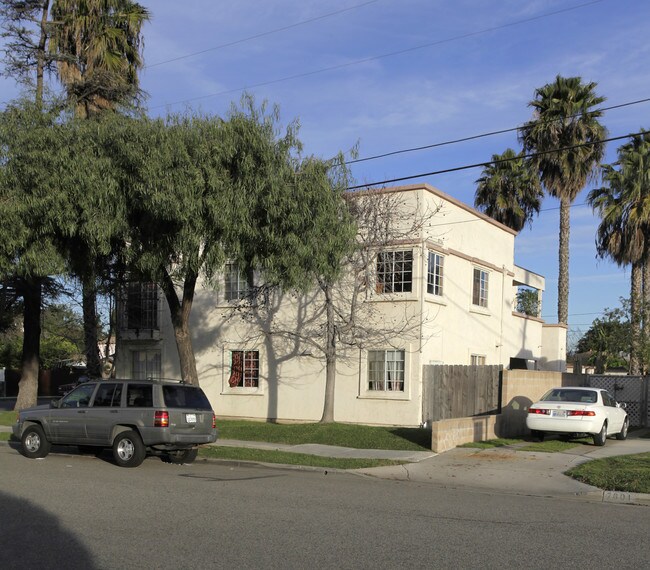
(75, 511)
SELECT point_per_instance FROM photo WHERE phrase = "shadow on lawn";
(419, 436)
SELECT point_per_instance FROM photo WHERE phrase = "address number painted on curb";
(617, 496)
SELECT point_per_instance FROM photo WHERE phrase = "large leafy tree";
(97, 45)
(29, 195)
(508, 190)
(25, 29)
(624, 231)
(203, 190)
(565, 137)
(608, 340)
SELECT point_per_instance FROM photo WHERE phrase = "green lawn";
(629, 473)
(7, 418)
(343, 435)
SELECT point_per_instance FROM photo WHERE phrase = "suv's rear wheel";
(181, 456)
(128, 449)
(34, 442)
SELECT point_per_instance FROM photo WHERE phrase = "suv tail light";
(214, 421)
(581, 413)
(161, 418)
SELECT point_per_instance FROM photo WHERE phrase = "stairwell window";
(141, 310)
(434, 273)
(394, 272)
(145, 364)
(480, 288)
(244, 369)
(386, 370)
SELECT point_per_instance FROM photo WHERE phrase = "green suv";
(132, 417)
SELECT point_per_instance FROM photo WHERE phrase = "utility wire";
(489, 162)
(261, 34)
(382, 56)
(488, 134)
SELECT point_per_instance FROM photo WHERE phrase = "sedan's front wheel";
(621, 435)
(601, 436)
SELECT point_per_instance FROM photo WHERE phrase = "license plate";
(558, 413)
(190, 418)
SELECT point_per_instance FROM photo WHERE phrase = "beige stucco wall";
(447, 329)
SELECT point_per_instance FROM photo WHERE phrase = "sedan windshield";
(570, 395)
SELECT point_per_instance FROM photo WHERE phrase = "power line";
(382, 56)
(483, 135)
(262, 34)
(489, 162)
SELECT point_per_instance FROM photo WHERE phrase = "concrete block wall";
(447, 434)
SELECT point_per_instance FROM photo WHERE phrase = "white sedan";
(573, 410)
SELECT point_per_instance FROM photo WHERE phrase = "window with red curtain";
(244, 369)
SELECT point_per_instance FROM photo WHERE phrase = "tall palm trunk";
(635, 317)
(563, 275)
(645, 315)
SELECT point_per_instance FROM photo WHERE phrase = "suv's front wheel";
(34, 443)
(128, 449)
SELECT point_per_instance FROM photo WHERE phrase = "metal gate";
(632, 390)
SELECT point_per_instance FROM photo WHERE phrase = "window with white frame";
(145, 364)
(236, 282)
(480, 288)
(434, 273)
(477, 360)
(244, 369)
(394, 271)
(386, 370)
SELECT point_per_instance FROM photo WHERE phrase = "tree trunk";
(645, 315)
(91, 342)
(563, 273)
(635, 318)
(180, 315)
(330, 358)
(32, 295)
(28, 385)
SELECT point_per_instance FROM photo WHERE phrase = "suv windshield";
(185, 397)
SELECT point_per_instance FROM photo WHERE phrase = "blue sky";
(395, 74)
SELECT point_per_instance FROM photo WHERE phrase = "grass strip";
(287, 458)
(629, 473)
(7, 418)
(343, 435)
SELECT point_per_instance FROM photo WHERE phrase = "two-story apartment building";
(445, 294)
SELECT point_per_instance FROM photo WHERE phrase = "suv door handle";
(114, 411)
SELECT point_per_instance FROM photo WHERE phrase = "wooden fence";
(460, 391)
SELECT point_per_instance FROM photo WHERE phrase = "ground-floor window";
(386, 370)
(244, 369)
(477, 360)
(145, 364)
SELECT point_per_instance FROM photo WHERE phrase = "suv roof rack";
(176, 380)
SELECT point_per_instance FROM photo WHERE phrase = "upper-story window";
(141, 309)
(394, 271)
(237, 284)
(434, 273)
(480, 288)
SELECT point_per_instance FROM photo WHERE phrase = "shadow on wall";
(513, 417)
(33, 538)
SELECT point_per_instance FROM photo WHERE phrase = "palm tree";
(624, 231)
(98, 46)
(565, 136)
(509, 191)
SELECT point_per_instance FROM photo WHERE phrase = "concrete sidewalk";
(502, 470)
